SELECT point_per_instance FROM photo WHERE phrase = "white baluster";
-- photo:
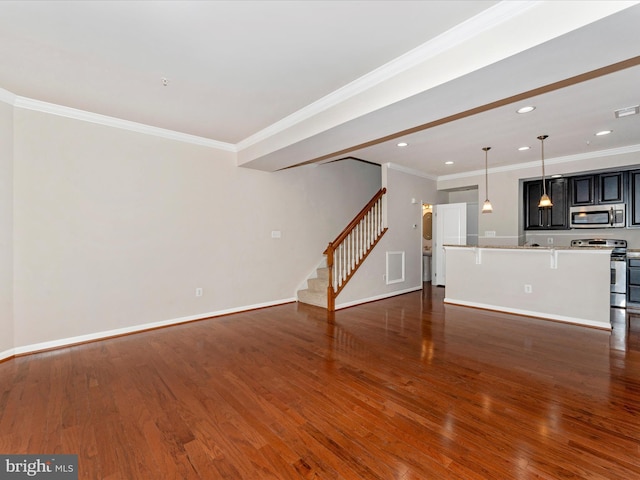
(354, 253)
(377, 220)
(350, 256)
(344, 264)
(347, 263)
(374, 222)
(339, 266)
(336, 267)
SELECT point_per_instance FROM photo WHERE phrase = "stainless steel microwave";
(598, 216)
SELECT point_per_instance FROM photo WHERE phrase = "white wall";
(116, 229)
(369, 282)
(6, 228)
(469, 195)
(506, 198)
(113, 230)
(566, 285)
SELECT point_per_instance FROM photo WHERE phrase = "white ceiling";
(253, 75)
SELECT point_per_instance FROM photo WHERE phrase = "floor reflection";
(473, 380)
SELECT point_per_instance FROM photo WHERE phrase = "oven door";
(618, 283)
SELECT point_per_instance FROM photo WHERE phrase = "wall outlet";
(276, 234)
(549, 240)
(528, 289)
(198, 292)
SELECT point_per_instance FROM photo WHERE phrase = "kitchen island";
(563, 284)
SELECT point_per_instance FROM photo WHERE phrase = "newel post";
(331, 300)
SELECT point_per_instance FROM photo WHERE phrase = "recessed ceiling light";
(603, 132)
(403, 144)
(448, 163)
(527, 109)
(522, 149)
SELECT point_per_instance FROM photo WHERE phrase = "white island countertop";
(531, 247)
(557, 283)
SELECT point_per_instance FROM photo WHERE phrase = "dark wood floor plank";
(404, 388)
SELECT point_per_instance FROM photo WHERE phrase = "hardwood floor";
(404, 388)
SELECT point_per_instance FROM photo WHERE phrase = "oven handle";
(611, 216)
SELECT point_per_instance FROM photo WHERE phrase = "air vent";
(625, 112)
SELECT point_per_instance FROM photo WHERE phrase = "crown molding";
(59, 110)
(7, 97)
(469, 29)
(548, 161)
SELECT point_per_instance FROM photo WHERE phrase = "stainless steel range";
(618, 266)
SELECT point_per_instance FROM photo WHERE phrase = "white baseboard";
(63, 342)
(377, 297)
(529, 313)
(7, 354)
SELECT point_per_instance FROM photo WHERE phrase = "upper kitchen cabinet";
(553, 218)
(597, 189)
(611, 187)
(583, 190)
(634, 199)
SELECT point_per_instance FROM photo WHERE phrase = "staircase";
(345, 255)
(316, 291)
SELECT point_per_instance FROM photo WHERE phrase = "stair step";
(319, 299)
(318, 284)
(323, 273)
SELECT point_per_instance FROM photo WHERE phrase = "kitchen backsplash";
(563, 238)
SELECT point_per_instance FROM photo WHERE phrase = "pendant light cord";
(486, 173)
(544, 186)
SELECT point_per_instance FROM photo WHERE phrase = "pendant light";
(486, 207)
(545, 201)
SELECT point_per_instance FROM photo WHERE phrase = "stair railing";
(347, 252)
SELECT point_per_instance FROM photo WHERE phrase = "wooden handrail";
(361, 214)
(354, 244)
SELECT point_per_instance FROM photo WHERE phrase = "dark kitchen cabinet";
(597, 189)
(553, 218)
(583, 190)
(634, 199)
(633, 281)
(611, 187)
(532, 214)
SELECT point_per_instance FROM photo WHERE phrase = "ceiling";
(285, 83)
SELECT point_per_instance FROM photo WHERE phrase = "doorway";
(450, 229)
(427, 241)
